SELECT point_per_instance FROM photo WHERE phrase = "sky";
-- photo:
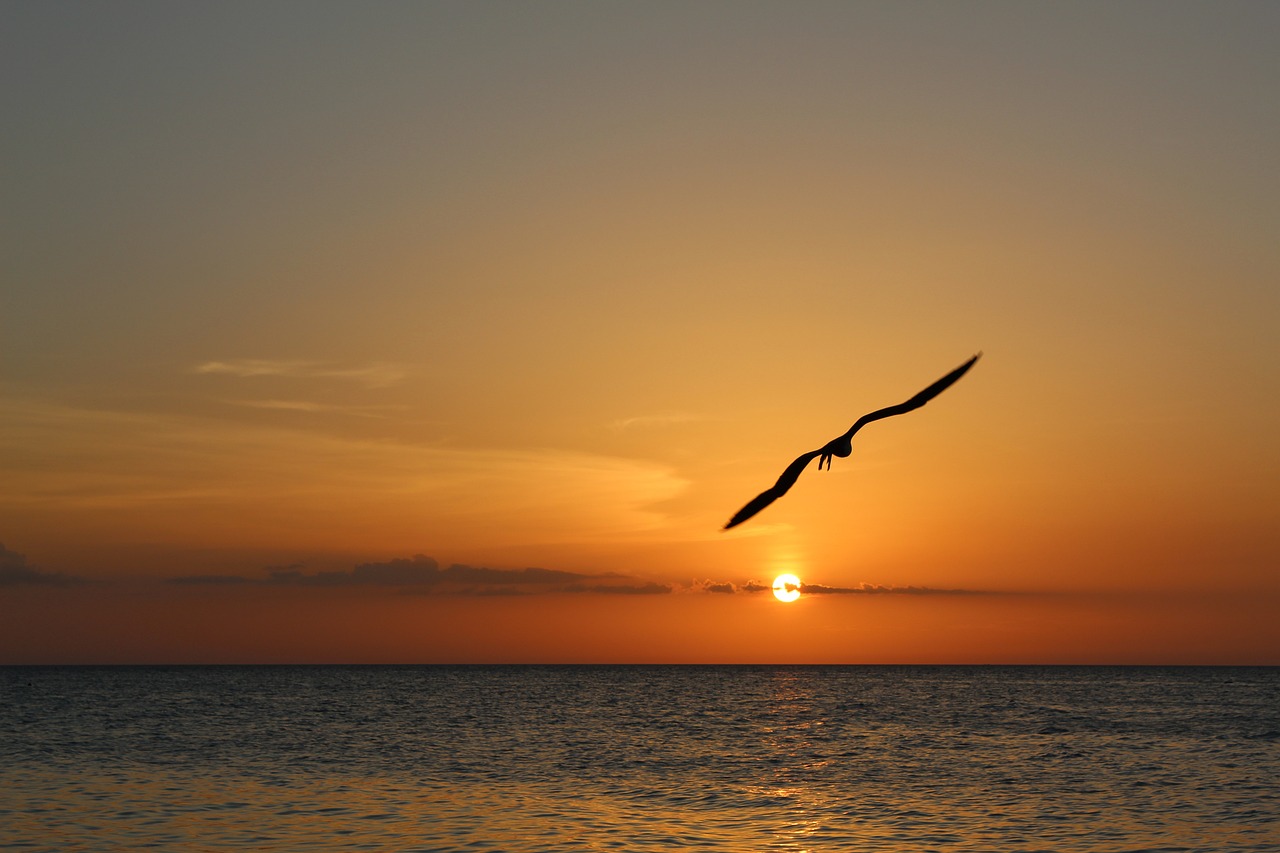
(454, 332)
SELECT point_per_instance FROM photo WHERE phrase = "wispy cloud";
(376, 375)
(310, 407)
(200, 470)
(424, 575)
(653, 421)
(14, 571)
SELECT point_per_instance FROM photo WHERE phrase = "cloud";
(399, 572)
(875, 589)
(376, 375)
(622, 589)
(423, 574)
(646, 421)
(310, 407)
(14, 571)
(823, 589)
(241, 477)
(210, 580)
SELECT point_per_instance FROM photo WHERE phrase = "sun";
(786, 587)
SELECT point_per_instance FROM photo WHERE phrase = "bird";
(843, 445)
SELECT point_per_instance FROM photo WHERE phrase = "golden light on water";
(786, 587)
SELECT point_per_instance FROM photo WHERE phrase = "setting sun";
(786, 587)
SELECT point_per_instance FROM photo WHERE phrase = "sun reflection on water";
(714, 759)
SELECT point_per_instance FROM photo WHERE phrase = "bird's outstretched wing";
(915, 402)
(792, 472)
(778, 489)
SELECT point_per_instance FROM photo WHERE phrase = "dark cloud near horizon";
(651, 588)
(823, 589)
(876, 589)
(14, 571)
(210, 580)
(423, 574)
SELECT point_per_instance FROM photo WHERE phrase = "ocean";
(640, 758)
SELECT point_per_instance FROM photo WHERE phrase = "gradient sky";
(454, 332)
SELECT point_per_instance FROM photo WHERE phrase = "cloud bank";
(14, 571)
(424, 575)
(753, 586)
(876, 589)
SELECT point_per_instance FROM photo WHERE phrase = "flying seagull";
(843, 445)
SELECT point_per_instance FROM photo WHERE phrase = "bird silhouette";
(843, 445)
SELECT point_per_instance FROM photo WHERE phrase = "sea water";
(593, 758)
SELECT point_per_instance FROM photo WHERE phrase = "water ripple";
(640, 759)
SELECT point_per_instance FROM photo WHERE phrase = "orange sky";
(292, 295)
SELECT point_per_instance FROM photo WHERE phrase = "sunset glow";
(456, 332)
